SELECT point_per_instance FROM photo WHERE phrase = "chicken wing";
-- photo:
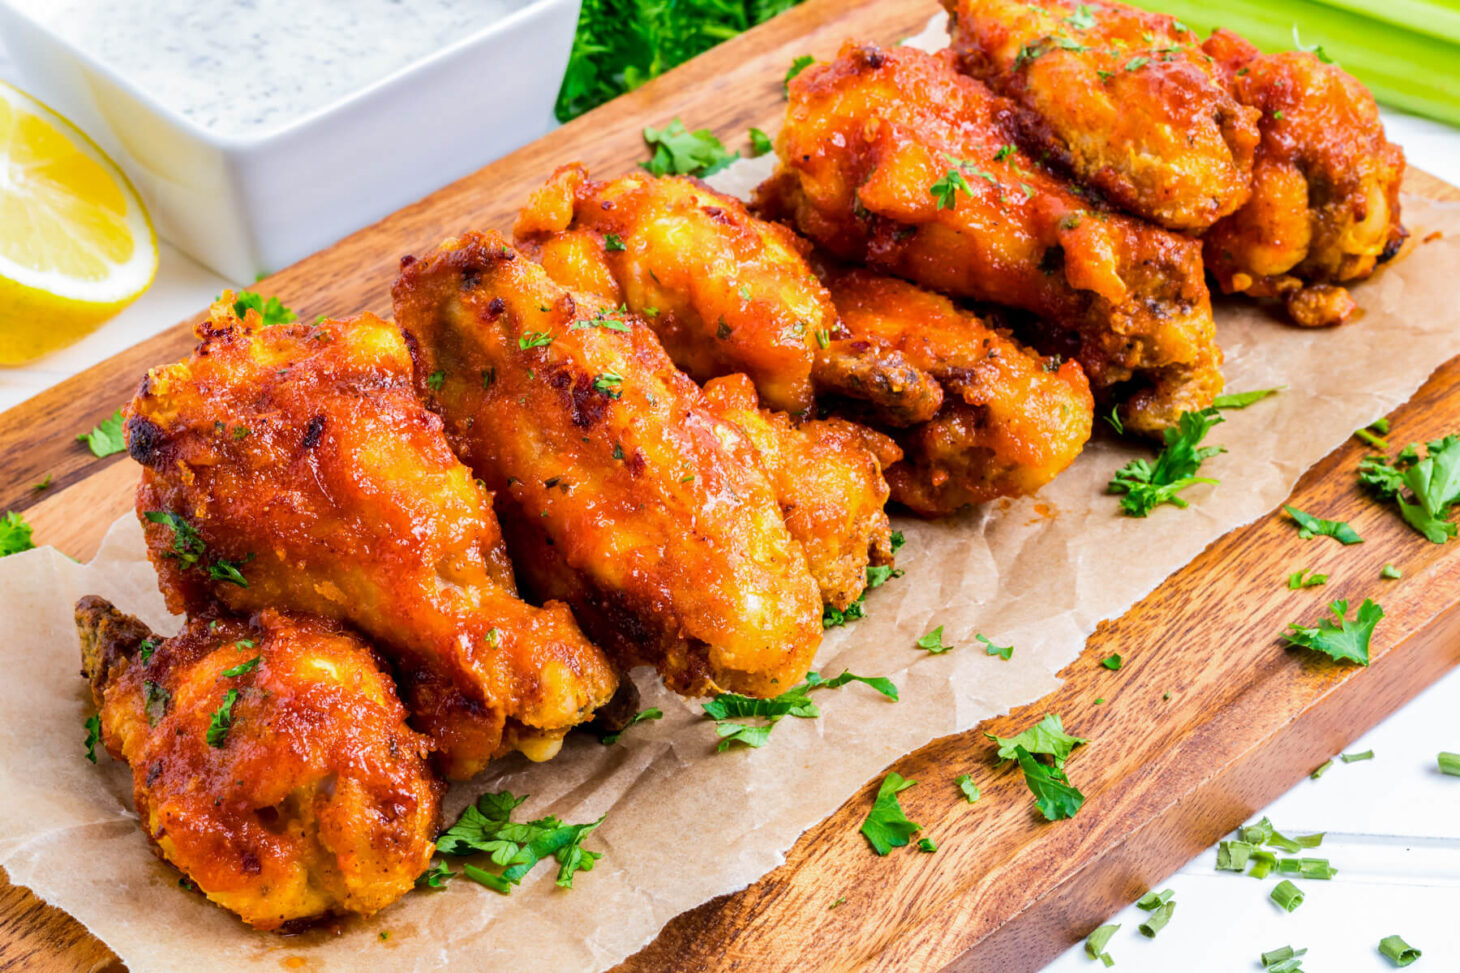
(293, 467)
(727, 293)
(271, 760)
(1123, 99)
(619, 489)
(1325, 200)
(1011, 421)
(892, 158)
(827, 475)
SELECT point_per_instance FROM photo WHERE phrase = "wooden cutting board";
(1006, 892)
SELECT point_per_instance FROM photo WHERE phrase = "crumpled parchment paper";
(686, 823)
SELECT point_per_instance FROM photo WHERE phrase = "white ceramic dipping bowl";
(250, 205)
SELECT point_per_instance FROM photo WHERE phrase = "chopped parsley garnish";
(604, 319)
(1004, 152)
(1005, 652)
(223, 569)
(535, 339)
(93, 735)
(612, 242)
(1081, 19)
(271, 311)
(1287, 895)
(685, 153)
(877, 576)
(1426, 490)
(760, 143)
(222, 720)
(933, 642)
(1391, 573)
(970, 790)
(1147, 485)
(487, 828)
(15, 534)
(1305, 579)
(145, 650)
(928, 845)
(1055, 797)
(243, 667)
(1112, 661)
(1310, 526)
(44, 485)
(642, 716)
(609, 383)
(1345, 641)
(1394, 948)
(106, 438)
(725, 708)
(187, 543)
(1241, 400)
(155, 699)
(1136, 63)
(1315, 49)
(797, 66)
(886, 826)
(436, 876)
(435, 380)
(945, 190)
(1095, 945)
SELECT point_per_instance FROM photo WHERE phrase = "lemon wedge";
(76, 245)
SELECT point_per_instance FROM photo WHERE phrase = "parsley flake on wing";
(1146, 484)
(887, 826)
(1346, 641)
(106, 438)
(271, 311)
(1426, 490)
(797, 66)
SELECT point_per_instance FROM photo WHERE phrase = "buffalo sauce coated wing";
(1325, 187)
(892, 158)
(725, 292)
(1123, 99)
(293, 467)
(827, 475)
(619, 490)
(271, 760)
(1011, 420)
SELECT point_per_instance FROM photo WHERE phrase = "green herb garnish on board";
(677, 151)
(1345, 640)
(727, 708)
(887, 826)
(106, 438)
(1310, 526)
(1054, 795)
(15, 534)
(271, 311)
(1425, 489)
(797, 66)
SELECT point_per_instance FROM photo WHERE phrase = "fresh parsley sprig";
(1346, 641)
(105, 438)
(887, 825)
(1054, 795)
(677, 151)
(726, 708)
(1426, 490)
(486, 827)
(15, 534)
(1145, 485)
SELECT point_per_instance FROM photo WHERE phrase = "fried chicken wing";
(1012, 420)
(1121, 98)
(1325, 201)
(827, 475)
(619, 489)
(271, 760)
(293, 467)
(892, 158)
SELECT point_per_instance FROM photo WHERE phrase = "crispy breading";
(311, 797)
(1121, 98)
(1325, 201)
(870, 135)
(1011, 419)
(827, 475)
(619, 490)
(299, 456)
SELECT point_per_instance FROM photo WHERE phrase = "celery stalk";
(1403, 68)
(1440, 20)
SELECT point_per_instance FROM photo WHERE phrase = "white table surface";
(1393, 823)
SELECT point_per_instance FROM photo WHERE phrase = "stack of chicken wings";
(659, 427)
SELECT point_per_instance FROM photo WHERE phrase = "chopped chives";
(1263, 862)
(1157, 920)
(1284, 959)
(1353, 758)
(1321, 769)
(1450, 763)
(1257, 834)
(1316, 868)
(1397, 951)
(1232, 856)
(1310, 840)
(1391, 573)
(1287, 895)
(1154, 900)
(1282, 842)
(928, 845)
(1095, 944)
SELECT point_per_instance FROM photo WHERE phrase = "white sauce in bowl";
(248, 67)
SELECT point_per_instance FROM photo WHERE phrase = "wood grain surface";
(1005, 892)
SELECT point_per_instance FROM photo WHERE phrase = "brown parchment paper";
(686, 823)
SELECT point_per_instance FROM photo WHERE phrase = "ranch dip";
(244, 68)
